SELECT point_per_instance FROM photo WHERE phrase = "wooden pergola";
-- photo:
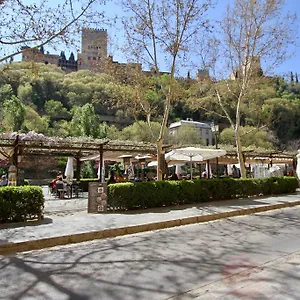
(17, 146)
(260, 157)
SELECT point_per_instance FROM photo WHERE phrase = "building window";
(94, 58)
(89, 58)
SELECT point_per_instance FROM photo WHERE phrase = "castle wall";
(37, 56)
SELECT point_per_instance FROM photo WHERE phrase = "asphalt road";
(247, 257)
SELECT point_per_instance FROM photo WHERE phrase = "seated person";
(111, 179)
(54, 183)
(188, 177)
(59, 175)
(204, 174)
(174, 176)
(59, 182)
(137, 179)
(3, 180)
(236, 173)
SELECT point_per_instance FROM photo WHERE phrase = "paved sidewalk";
(67, 221)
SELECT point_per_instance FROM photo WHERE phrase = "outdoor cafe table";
(72, 190)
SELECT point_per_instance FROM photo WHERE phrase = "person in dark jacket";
(236, 173)
(111, 179)
(174, 176)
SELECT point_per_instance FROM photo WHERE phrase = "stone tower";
(256, 70)
(93, 49)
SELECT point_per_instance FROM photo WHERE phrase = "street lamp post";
(215, 130)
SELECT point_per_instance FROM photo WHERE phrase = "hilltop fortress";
(92, 56)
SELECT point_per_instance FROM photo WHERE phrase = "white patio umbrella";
(152, 163)
(178, 169)
(298, 165)
(99, 171)
(193, 154)
(69, 171)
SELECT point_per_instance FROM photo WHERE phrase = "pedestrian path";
(67, 221)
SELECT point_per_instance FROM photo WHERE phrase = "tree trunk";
(161, 165)
(239, 151)
(160, 160)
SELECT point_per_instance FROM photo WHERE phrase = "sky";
(116, 36)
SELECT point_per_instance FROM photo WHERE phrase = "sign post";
(97, 200)
(12, 175)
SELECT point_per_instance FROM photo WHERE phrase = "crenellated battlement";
(94, 29)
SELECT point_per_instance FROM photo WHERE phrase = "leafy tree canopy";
(250, 137)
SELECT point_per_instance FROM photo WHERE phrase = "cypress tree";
(62, 55)
(292, 77)
(72, 58)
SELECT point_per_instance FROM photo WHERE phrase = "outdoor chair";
(77, 190)
(60, 190)
(50, 188)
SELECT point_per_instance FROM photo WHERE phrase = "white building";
(204, 129)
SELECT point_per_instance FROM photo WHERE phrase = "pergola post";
(15, 154)
(78, 168)
(208, 169)
(101, 163)
(13, 171)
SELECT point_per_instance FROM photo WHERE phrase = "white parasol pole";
(69, 171)
(99, 171)
(191, 163)
(298, 165)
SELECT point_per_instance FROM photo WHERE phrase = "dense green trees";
(45, 99)
(186, 135)
(84, 122)
(140, 132)
(13, 114)
(250, 136)
(55, 109)
(164, 28)
(251, 32)
(34, 122)
(282, 116)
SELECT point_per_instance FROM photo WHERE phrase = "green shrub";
(84, 183)
(21, 203)
(141, 195)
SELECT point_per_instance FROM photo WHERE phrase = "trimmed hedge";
(84, 183)
(142, 195)
(21, 203)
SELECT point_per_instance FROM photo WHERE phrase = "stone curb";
(10, 248)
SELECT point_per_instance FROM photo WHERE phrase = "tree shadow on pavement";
(158, 265)
(25, 224)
